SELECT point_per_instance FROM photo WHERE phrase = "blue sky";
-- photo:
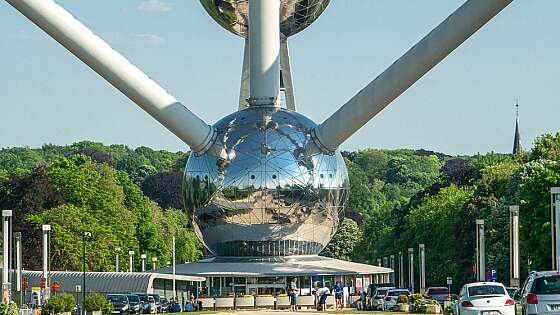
(463, 106)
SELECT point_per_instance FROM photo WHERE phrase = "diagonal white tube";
(408, 69)
(118, 71)
(264, 52)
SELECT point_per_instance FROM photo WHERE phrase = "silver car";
(378, 297)
(540, 293)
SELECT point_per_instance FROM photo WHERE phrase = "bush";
(9, 308)
(416, 297)
(58, 304)
(420, 306)
(97, 302)
(402, 299)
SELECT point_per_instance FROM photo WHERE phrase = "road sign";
(493, 274)
(449, 281)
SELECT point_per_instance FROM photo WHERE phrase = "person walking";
(292, 292)
(338, 293)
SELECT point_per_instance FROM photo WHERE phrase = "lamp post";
(117, 259)
(46, 231)
(143, 258)
(480, 251)
(555, 226)
(7, 258)
(422, 258)
(154, 263)
(392, 266)
(130, 261)
(19, 286)
(411, 269)
(514, 245)
(85, 236)
(401, 270)
(174, 270)
(379, 262)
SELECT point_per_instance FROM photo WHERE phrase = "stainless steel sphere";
(295, 15)
(267, 194)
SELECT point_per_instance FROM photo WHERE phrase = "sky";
(465, 105)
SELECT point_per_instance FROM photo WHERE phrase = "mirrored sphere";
(266, 193)
(295, 15)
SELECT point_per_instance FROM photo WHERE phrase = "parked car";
(120, 303)
(378, 296)
(156, 300)
(487, 298)
(136, 306)
(540, 293)
(440, 294)
(164, 304)
(391, 297)
(148, 303)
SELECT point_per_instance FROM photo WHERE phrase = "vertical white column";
(6, 217)
(555, 198)
(480, 251)
(379, 262)
(130, 261)
(401, 270)
(411, 268)
(154, 263)
(264, 52)
(392, 266)
(46, 228)
(17, 238)
(174, 270)
(422, 254)
(143, 258)
(117, 259)
(514, 246)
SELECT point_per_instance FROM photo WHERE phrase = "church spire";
(517, 148)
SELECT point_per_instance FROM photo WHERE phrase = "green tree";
(343, 242)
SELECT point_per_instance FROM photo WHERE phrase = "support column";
(117, 259)
(480, 251)
(143, 258)
(392, 266)
(18, 252)
(46, 231)
(174, 270)
(514, 246)
(154, 263)
(555, 226)
(130, 261)
(411, 268)
(7, 254)
(264, 52)
(422, 258)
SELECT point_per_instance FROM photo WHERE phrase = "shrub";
(416, 297)
(58, 304)
(9, 308)
(402, 299)
(97, 302)
(420, 306)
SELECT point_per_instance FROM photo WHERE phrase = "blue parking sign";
(493, 274)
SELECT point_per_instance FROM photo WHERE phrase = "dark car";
(120, 303)
(156, 300)
(164, 304)
(136, 306)
(440, 294)
(148, 305)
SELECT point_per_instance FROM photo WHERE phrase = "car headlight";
(125, 307)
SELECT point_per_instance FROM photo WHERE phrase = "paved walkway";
(302, 312)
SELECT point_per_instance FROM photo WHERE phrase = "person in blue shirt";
(338, 292)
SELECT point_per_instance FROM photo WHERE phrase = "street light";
(480, 251)
(130, 261)
(19, 286)
(401, 270)
(117, 259)
(392, 265)
(46, 231)
(555, 226)
(514, 245)
(422, 254)
(411, 268)
(154, 263)
(7, 218)
(85, 235)
(143, 258)
(174, 270)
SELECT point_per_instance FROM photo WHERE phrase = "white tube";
(408, 69)
(117, 70)
(264, 51)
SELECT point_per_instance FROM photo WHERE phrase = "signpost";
(493, 274)
(449, 283)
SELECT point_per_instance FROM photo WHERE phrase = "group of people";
(321, 292)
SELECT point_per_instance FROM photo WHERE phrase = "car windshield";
(486, 290)
(547, 285)
(133, 298)
(117, 298)
(151, 299)
(433, 291)
(397, 293)
(381, 292)
(143, 298)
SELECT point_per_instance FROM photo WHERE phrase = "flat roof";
(273, 266)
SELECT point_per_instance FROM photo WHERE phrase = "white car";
(391, 297)
(484, 298)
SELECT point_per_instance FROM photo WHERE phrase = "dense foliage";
(399, 199)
